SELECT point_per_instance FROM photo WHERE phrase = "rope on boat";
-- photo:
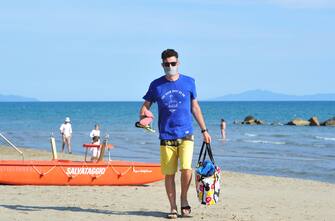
(97, 176)
(42, 174)
(70, 176)
(121, 174)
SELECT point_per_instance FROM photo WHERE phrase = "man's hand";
(207, 137)
(144, 109)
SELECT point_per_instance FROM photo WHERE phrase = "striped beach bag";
(207, 177)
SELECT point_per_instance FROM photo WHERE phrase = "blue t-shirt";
(174, 105)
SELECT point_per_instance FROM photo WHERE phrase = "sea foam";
(265, 142)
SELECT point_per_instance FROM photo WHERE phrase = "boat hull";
(78, 173)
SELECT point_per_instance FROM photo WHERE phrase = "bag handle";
(210, 152)
(207, 147)
(200, 154)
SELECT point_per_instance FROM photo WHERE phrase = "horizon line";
(204, 100)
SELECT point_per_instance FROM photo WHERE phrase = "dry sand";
(244, 197)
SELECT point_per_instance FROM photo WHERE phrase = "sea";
(271, 149)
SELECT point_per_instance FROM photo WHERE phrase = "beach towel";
(207, 177)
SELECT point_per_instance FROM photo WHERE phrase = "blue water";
(299, 152)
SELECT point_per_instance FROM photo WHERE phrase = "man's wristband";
(204, 130)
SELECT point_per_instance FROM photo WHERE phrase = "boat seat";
(89, 146)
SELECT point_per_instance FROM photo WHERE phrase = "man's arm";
(196, 111)
(145, 107)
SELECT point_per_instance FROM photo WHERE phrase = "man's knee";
(186, 172)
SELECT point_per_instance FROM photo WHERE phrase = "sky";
(106, 50)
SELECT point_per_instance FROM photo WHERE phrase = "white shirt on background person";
(66, 129)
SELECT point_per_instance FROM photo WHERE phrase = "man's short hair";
(169, 53)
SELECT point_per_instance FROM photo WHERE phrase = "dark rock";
(251, 120)
(259, 122)
(329, 122)
(314, 121)
(299, 122)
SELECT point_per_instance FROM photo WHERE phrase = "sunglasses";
(167, 64)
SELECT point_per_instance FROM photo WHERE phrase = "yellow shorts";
(170, 155)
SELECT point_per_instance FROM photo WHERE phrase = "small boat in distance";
(77, 173)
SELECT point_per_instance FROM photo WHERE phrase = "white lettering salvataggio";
(85, 171)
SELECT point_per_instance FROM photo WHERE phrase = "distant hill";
(263, 95)
(15, 98)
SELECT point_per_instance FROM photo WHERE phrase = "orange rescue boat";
(78, 173)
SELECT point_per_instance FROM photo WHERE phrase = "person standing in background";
(223, 126)
(66, 132)
(95, 136)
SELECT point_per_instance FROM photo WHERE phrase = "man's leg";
(69, 144)
(170, 187)
(63, 143)
(186, 155)
(186, 177)
(169, 164)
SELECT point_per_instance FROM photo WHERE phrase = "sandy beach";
(244, 197)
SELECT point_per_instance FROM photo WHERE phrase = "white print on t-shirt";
(170, 99)
(173, 103)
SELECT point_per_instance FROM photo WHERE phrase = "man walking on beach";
(176, 96)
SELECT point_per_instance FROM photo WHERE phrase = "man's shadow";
(78, 209)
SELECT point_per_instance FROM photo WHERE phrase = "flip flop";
(172, 215)
(147, 127)
(186, 211)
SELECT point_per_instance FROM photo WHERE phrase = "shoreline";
(32, 153)
(244, 197)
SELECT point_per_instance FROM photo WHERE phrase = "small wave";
(250, 135)
(225, 140)
(319, 145)
(145, 142)
(280, 135)
(325, 138)
(265, 142)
